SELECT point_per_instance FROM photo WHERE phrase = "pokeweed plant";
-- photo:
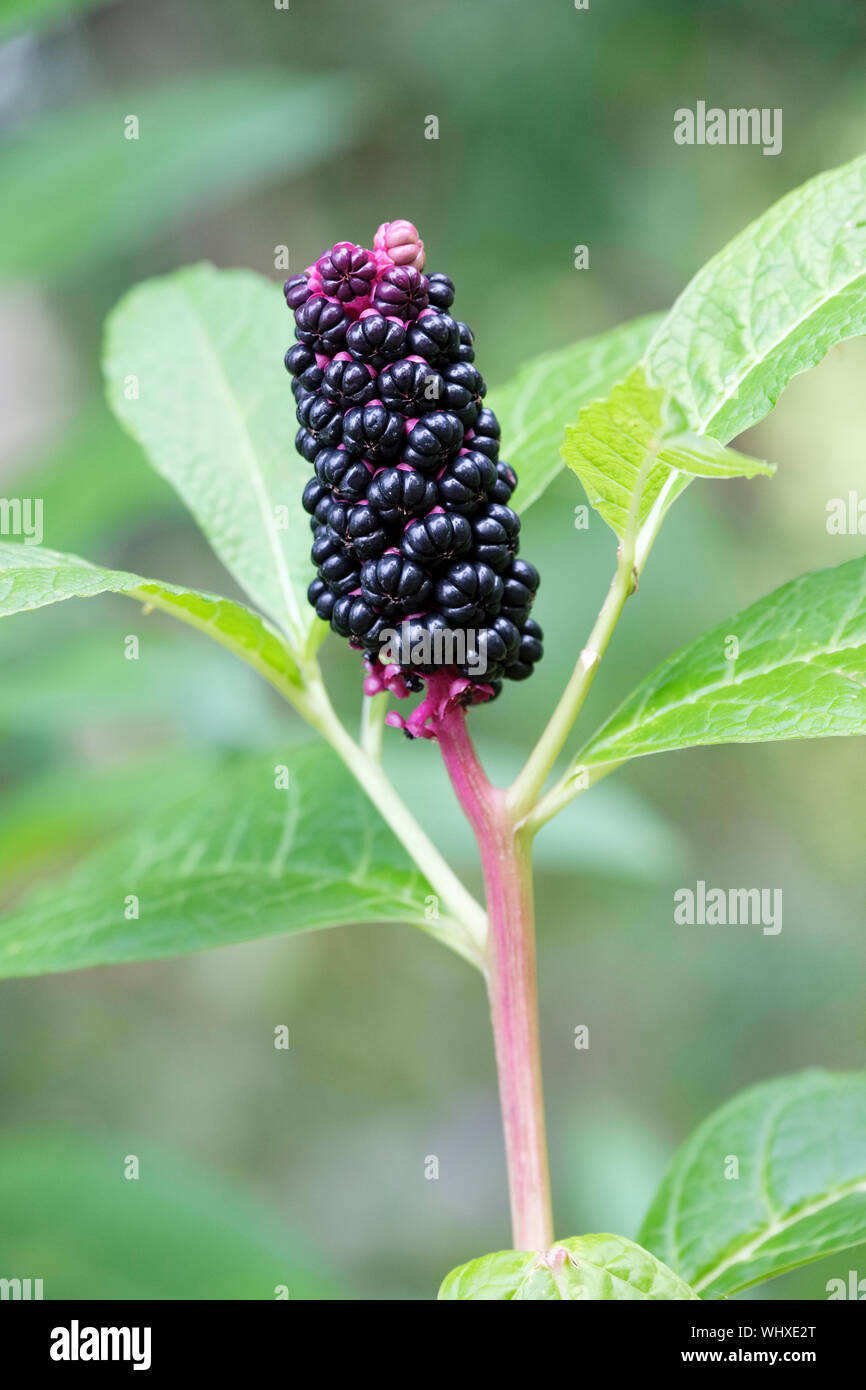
(415, 536)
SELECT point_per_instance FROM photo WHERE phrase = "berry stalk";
(511, 980)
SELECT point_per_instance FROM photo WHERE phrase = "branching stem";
(468, 914)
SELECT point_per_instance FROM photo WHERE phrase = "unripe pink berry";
(400, 243)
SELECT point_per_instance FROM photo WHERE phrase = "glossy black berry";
(421, 635)
(468, 593)
(307, 444)
(433, 441)
(400, 494)
(322, 598)
(466, 481)
(395, 586)
(363, 622)
(435, 540)
(531, 650)
(312, 495)
(341, 573)
(347, 383)
(495, 534)
(485, 433)
(413, 534)
(520, 582)
(340, 614)
(506, 482)
(308, 383)
(440, 291)
(344, 474)
(412, 388)
(322, 419)
(299, 358)
(436, 338)
(321, 325)
(465, 349)
(326, 545)
(374, 431)
(297, 291)
(359, 528)
(401, 292)
(463, 391)
(376, 340)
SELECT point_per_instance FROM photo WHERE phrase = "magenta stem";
(511, 981)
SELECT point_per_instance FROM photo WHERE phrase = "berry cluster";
(414, 539)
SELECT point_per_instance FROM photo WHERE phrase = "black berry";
(401, 292)
(409, 501)
(433, 441)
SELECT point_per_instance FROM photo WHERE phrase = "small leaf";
(770, 305)
(586, 1267)
(546, 394)
(630, 454)
(194, 369)
(793, 665)
(267, 846)
(798, 1191)
(31, 577)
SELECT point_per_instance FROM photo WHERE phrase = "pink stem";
(506, 861)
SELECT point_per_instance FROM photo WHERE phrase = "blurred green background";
(262, 127)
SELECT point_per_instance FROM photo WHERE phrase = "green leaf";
(211, 406)
(769, 306)
(633, 457)
(31, 577)
(800, 1193)
(585, 1267)
(77, 191)
(547, 393)
(246, 857)
(799, 672)
(68, 1217)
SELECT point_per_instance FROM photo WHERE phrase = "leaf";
(77, 191)
(631, 456)
(770, 305)
(31, 577)
(240, 859)
(800, 672)
(68, 1217)
(586, 1267)
(800, 1145)
(547, 393)
(213, 412)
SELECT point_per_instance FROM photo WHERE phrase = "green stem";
(525, 789)
(631, 557)
(373, 711)
(468, 915)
